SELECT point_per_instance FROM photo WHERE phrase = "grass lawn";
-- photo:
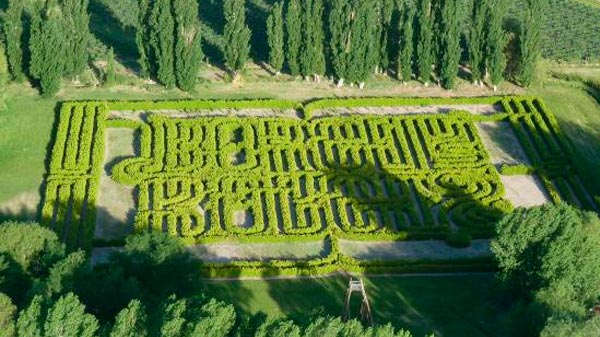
(459, 305)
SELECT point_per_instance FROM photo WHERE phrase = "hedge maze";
(360, 177)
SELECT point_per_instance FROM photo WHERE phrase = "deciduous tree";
(293, 26)
(424, 52)
(188, 50)
(530, 40)
(13, 30)
(275, 34)
(237, 35)
(407, 41)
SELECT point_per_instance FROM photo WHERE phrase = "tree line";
(348, 40)
(150, 288)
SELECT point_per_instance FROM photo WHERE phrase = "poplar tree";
(110, 75)
(237, 35)
(424, 52)
(451, 25)
(363, 52)
(46, 45)
(13, 31)
(162, 28)
(142, 40)
(339, 39)
(407, 41)
(312, 58)
(76, 20)
(188, 50)
(477, 40)
(293, 21)
(496, 41)
(383, 34)
(530, 41)
(275, 35)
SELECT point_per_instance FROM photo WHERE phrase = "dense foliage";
(348, 40)
(127, 296)
(549, 259)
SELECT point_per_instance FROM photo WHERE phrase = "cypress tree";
(188, 44)
(110, 75)
(477, 40)
(318, 40)
(339, 31)
(384, 32)
(363, 50)
(530, 41)
(76, 21)
(13, 31)
(275, 36)
(294, 36)
(407, 41)
(142, 38)
(451, 25)
(162, 28)
(237, 35)
(312, 58)
(496, 41)
(424, 50)
(46, 46)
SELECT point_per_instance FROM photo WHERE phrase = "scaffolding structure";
(357, 286)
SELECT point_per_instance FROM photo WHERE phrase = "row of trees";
(413, 39)
(149, 289)
(348, 39)
(57, 41)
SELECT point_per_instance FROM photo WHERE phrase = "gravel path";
(476, 109)
(413, 250)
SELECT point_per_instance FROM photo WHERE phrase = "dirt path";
(413, 250)
(476, 109)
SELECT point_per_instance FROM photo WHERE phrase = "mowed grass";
(578, 114)
(447, 305)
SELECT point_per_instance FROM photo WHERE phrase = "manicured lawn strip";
(461, 305)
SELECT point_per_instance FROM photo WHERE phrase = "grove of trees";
(549, 260)
(349, 40)
(150, 288)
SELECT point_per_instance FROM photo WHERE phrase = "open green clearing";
(451, 305)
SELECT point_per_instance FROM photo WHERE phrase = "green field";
(449, 306)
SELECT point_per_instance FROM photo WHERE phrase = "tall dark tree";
(407, 41)
(162, 28)
(275, 35)
(496, 41)
(425, 47)
(237, 35)
(339, 40)
(364, 52)
(46, 45)
(142, 38)
(293, 21)
(312, 57)
(530, 40)
(110, 76)
(384, 33)
(13, 31)
(451, 25)
(477, 40)
(188, 50)
(76, 20)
